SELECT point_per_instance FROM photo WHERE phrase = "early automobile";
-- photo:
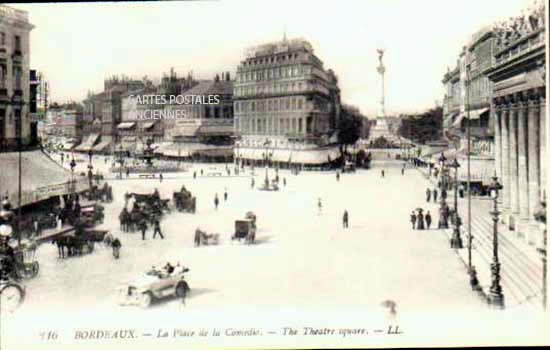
(155, 284)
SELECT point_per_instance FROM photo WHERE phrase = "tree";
(423, 127)
(349, 130)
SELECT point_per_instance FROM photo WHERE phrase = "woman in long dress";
(420, 220)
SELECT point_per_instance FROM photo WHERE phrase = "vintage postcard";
(273, 174)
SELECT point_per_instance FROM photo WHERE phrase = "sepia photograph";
(253, 174)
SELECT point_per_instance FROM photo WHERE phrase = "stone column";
(514, 184)
(533, 139)
(523, 173)
(543, 143)
(497, 112)
(505, 161)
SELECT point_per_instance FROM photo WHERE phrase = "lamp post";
(495, 298)
(456, 240)
(72, 165)
(90, 169)
(120, 159)
(442, 203)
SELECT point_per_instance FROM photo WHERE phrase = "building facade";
(285, 97)
(203, 130)
(518, 109)
(14, 77)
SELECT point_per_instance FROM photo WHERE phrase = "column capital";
(533, 102)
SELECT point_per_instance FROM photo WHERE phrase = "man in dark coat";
(413, 220)
(435, 194)
(156, 225)
(143, 227)
(345, 219)
(428, 195)
(428, 220)
(216, 201)
(420, 220)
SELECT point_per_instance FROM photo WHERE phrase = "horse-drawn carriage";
(92, 214)
(246, 229)
(184, 201)
(78, 241)
(103, 194)
(151, 203)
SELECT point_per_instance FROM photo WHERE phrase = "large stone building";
(31, 170)
(114, 89)
(285, 101)
(14, 77)
(204, 130)
(518, 107)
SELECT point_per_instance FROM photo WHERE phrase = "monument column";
(533, 127)
(523, 173)
(514, 185)
(505, 160)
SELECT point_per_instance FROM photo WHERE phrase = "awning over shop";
(102, 146)
(216, 130)
(41, 177)
(148, 125)
(458, 120)
(311, 156)
(187, 130)
(126, 125)
(88, 143)
(476, 113)
(481, 170)
(448, 121)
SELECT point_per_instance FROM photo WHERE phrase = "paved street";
(301, 258)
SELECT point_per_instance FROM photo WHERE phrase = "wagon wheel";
(145, 300)
(35, 267)
(11, 296)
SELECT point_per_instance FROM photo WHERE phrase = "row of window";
(17, 74)
(16, 41)
(274, 104)
(272, 126)
(272, 59)
(269, 89)
(274, 73)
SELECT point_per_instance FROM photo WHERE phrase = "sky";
(78, 45)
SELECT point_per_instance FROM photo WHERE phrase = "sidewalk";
(520, 264)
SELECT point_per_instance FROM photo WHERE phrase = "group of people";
(217, 200)
(420, 221)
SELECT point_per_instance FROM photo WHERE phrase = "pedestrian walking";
(337, 176)
(428, 195)
(461, 191)
(403, 171)
(252, 183)
(413, 220)
(420, 220)
(216, 201)
(382, 172)
(320, 206)
(201, 172)
(143, 228)
(345, 219)
(156, 225)
(225, 195)
(160, 177)
(284, 181)
(194, 174)
(435, 195)
(428, 219)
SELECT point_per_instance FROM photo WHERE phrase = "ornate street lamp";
(72, 165)
(495, 298)
(120, 159)
(456, 240)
